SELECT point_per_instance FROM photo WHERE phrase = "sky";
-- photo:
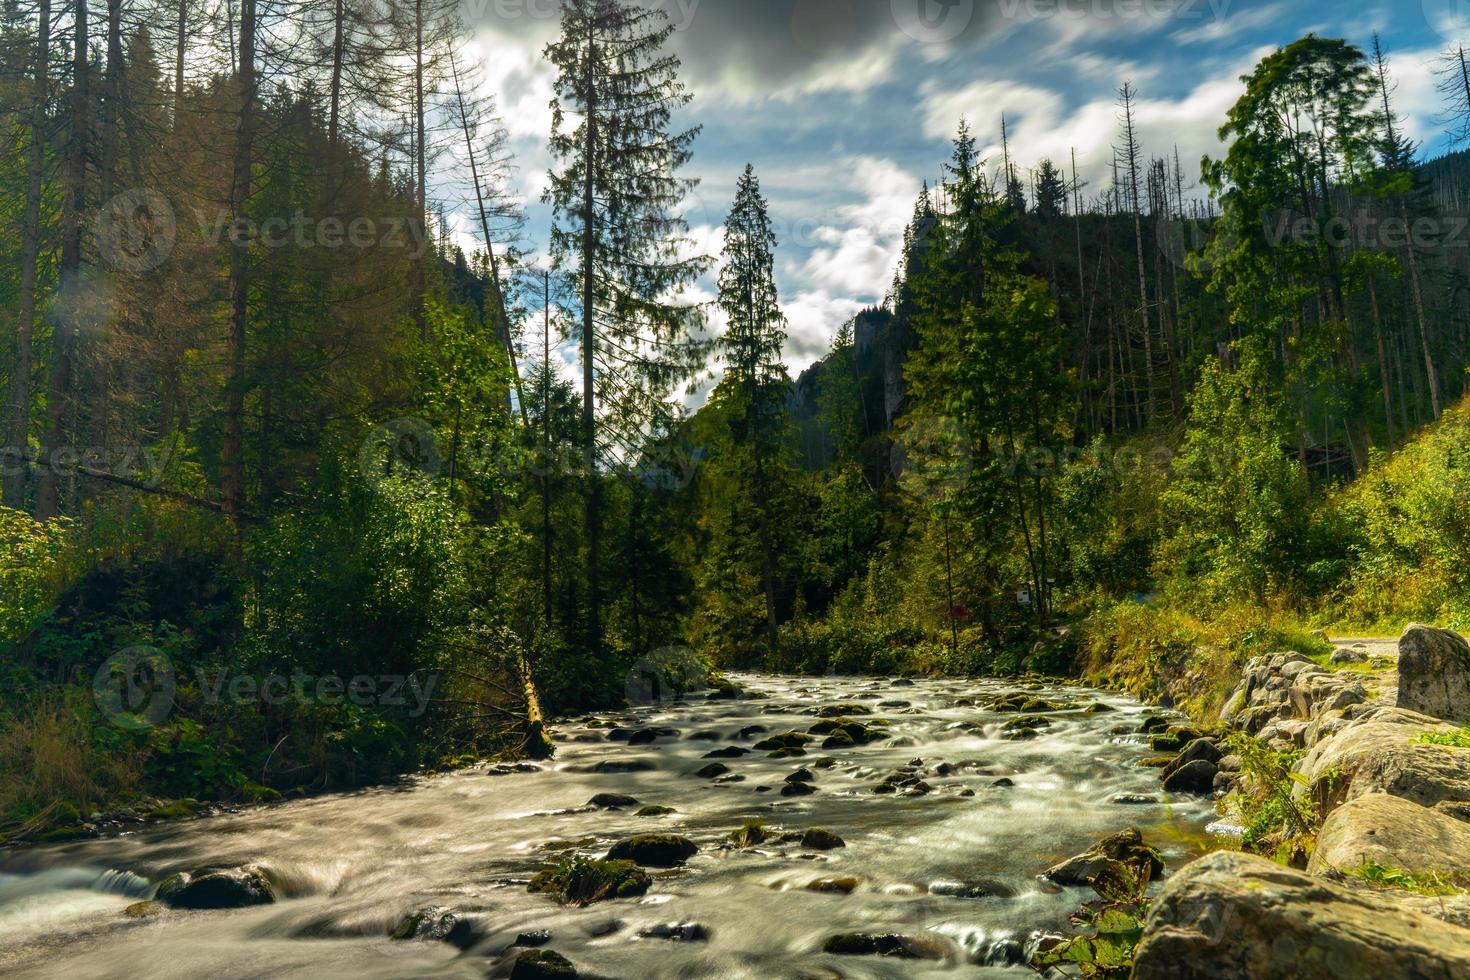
(845, 107)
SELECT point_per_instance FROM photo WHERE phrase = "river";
(351, 866)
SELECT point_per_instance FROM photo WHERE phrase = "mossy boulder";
(654, 850)
(1174, 738)
(712, 770)
(786, 740)
(580, 882)
(817, 839)
(750, 834)
(542, 964)
(655, 811)
(217, 888)
(842, 710)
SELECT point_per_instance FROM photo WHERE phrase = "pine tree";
(1051, 191)
(757, 379)
(614, 197)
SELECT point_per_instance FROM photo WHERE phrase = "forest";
(309, 476)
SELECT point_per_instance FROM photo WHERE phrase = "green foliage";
(1114, 925)
(1237, 502)
(1275, 820)
(1403, 531)
(1456, 740)
(1430, 884)
(33, 558)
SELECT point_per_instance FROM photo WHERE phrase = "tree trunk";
(589, 348)
(183, 32)
(60, 382)
(233, 454)
(338, 47)
(18, 430)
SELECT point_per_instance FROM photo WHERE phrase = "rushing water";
(352, 866)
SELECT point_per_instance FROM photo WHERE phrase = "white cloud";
(1043, 126)
(1223, 28)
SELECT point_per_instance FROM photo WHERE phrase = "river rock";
(786, 740)
(1394, 833)
(729, 752)
(687, 932)
(834, 886)
(217, 888)
(654, 850)
(542, 964)
(1434, 673)
(898, 947)
(655, 811)
(434, 923)
(647, 736)
(1126, 846)
(712, 770)
(817, 839)
(1199, 749)
(1232, 916)
(1197, 778)
(616, 767)
(612, 801)
(797, 789)
(583, 883)
(802, 776)
(843, 710)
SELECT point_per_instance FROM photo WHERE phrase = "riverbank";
(1352, 768)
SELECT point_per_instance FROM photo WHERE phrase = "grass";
(1153, 651)
(1423, 883)
(1456, 740)
(53, 771)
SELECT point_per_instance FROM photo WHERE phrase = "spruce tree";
(757, 379)
(617, 233)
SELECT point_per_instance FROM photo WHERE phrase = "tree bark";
(233, 455)
(18, 430)
(60, 382)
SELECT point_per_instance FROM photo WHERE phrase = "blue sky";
(846, 106)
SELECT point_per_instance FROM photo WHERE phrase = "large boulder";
(1394, 833)
(1376, 753)
(1231, 916)
(1434, 673)
(217, 888)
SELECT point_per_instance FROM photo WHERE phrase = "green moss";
(581, 881)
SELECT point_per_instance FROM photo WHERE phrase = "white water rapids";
(352, 866)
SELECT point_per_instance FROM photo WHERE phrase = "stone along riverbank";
(809, 828)
(1373, 803)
